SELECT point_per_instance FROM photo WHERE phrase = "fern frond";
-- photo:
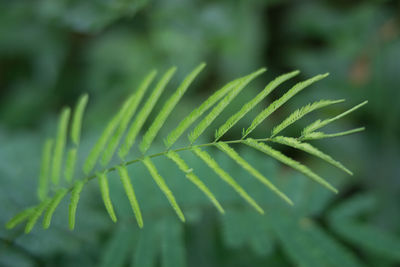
(140, 119)
(163, 187)
(37, 212)
(293, 142)
(212, 164)
(321, 135)
(20, 218)
(288, 161)
(301, 112)
(193, 178)
(60, 145)
(130, 193)
(245, 165)
(167, 109)
(105, 194)
(44, 176)
(319, 124)
(52, 207)
(136, 99)
(203, 125)
(76, 124)
(73, 204)
(125, 123)
(252, 103)
(279, 102)
(94, 154)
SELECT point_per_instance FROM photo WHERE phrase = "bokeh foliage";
(52, 51)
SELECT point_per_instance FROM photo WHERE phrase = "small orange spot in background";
(360, 71)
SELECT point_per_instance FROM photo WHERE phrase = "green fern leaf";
(288, 161)
(301, 112)
(77, 119)
(130, 192)
(252, 103)
(194, 179)
(60, 145)
(321, 135)
(245, 165)
(195, 114)
(38, 211)
(44, 176)
(134, 103)
(163, 186)
(73, 204)
(94, 154)
(212, 164)
(115, 129)
(319, 124)
(137, 125)
(167, 109)
(292, 142)
(105, 194)
(59, 195)
(279, 102)
(203, 125)
(20, 218)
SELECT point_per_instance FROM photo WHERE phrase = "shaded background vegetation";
(53, 51)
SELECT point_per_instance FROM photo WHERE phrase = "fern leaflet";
(130, 192)
(60, 145)
(163, 187)
(105, 194)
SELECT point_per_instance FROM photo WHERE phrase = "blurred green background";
(53, 51)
